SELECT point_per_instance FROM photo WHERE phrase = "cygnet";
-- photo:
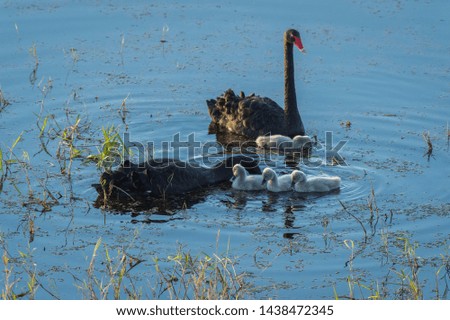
(276, 183)
(276, 141)
(299, 142)
(314, 184)
(281, 142)
(243, 181)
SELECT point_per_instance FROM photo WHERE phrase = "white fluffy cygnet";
(278, 141)
(314, 184)
(299, 142)
(244, 181)
(277, 183)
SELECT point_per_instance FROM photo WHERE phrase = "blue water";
(384, 67)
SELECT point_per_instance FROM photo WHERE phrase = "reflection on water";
(167, 205)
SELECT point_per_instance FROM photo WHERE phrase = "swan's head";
(293, 36)
(268, 175)
(239, 170)
(298, 176)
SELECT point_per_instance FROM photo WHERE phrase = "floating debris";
(346, 124)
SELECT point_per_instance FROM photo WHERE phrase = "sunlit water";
(383, 68)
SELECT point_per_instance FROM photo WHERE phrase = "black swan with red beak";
(254, 116)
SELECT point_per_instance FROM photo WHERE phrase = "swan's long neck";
(292, 116)
(274, 180)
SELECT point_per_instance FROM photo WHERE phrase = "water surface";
(375, 74)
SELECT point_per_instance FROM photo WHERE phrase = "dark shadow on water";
(157, 210)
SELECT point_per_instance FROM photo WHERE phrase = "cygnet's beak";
(263, 181)
(232, 178)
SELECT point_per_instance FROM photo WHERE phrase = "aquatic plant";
(2, 171)
(402, 280)
(179, 276)
(122, 44)
(67, 150)
(426, 137)
(6, 163)
(7, 160)
(353, 281)
(112, 283)
(112, 149)
(405, 284)
(356, 218)
(123, 111)
(448, 136)
(33, 75)
(15, 288)
(210, 277)
(73, 52)
(3, 102)
(8, 290)
(165, 30)
(444, 269)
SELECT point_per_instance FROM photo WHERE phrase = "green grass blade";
(1, 161)
(44, 125)
(17, 141)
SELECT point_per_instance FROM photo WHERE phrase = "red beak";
(298, 43)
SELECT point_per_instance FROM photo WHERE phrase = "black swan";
(254, 116)
(166, 177)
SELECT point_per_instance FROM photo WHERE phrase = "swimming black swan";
(254, 116)
(166, 177)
